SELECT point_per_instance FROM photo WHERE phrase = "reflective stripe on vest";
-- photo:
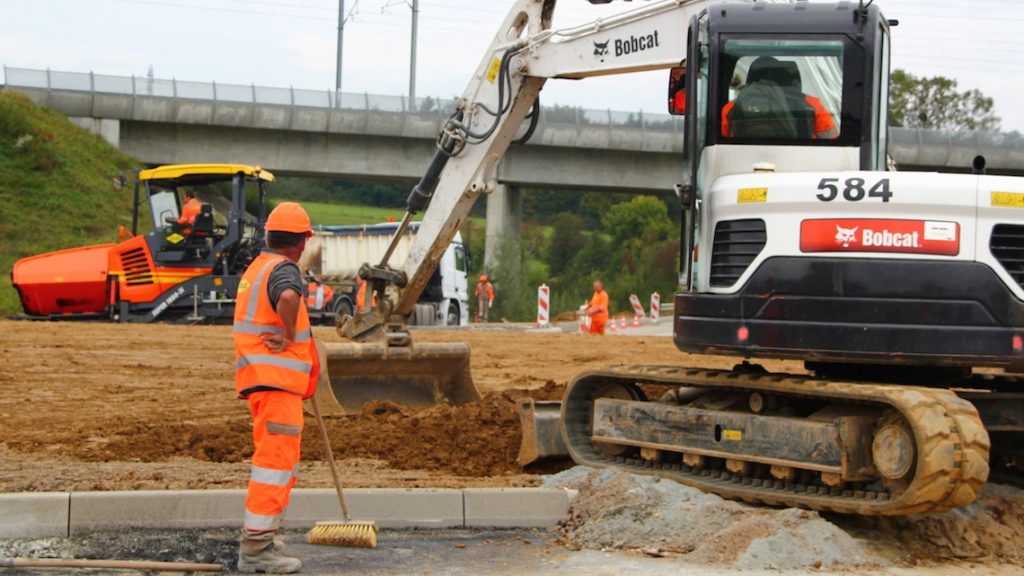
(256, 367)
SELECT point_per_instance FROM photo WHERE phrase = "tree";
(936, 103)
(644, 218)
(566, 241)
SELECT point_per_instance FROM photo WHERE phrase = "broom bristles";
(345, 534)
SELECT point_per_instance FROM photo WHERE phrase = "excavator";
(902, 293)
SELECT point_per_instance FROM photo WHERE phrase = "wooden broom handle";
(330, 456)
(108, 564)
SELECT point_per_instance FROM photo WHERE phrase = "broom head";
(345, 534)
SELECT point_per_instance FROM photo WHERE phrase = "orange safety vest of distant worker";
(190, 210)
(598, 319)
(823, 122)
(361, 295)
(485, 286)
(320, 295)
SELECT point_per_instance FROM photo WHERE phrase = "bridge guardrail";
(146, 86)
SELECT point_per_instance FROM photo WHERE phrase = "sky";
(293, 43)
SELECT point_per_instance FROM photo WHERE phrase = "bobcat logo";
(846, 236)
(601, 49)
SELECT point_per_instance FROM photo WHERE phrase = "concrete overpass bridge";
(364, 136)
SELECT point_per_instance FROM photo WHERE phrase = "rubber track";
(952, 445)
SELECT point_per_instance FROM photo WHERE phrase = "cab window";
(782, 89)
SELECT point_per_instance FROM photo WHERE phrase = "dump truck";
(335, 253)
(901, 292)
(160, 269)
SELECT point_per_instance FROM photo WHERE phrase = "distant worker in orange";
(778, 87)
(320, 294)
(361, 295)
(190, 210)
(484, 298)
(598, 309)
(276, 368)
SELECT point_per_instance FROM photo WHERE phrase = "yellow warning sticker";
(492, 71)
(175, 238)
(734, 435)
(1008, 199)
(751, 195)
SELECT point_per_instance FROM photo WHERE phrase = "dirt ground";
(92, 406)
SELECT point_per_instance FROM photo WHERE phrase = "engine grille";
(737, 243)
(1007, 245)
(137, 270)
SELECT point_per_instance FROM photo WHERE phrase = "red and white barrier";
(584, 320)
(655, 307)
(543, 306)
(638, 308)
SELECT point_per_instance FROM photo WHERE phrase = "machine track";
(950, 443)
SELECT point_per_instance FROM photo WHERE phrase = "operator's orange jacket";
(599, 301)
(822, 118)
(294, 370)
(189, 211)
(480, 290)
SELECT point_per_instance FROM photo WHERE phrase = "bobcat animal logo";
(601, 48)
(846, 236)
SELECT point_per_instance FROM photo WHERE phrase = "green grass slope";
(55, 187)
(329, 214)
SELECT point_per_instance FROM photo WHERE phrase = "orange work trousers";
(277, 434)
(597, 325)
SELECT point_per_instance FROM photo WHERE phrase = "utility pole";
(341, 37)
(412, 56)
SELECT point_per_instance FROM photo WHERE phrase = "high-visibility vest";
(189, 211)
(320, 295)
(297, 368)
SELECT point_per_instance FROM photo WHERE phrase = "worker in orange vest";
(361, 294)
(320, 294)
(598, 309)
(276, 368)
(771, 70)
(484, 298)
(189, 211)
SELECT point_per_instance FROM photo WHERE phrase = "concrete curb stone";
(516, 507)
(57, 514)
(34, 515)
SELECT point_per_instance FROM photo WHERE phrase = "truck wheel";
(343, 307)
(453, 315)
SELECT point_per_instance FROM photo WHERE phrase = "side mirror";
(677, 91)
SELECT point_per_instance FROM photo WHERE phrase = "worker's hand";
(276, 342)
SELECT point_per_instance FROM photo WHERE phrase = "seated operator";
(189, 211)
(773, 98)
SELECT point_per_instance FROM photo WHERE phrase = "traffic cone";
(636, 321)
(622, 323)
(611, 325)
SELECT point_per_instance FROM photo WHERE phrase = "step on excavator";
(901, 292)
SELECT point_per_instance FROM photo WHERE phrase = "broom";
(346, 532)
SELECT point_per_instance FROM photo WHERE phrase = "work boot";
(268, 561)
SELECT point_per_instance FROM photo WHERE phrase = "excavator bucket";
(542, 431)
(417, 376)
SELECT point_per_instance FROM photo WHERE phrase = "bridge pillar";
(108, 128)
(502, 254)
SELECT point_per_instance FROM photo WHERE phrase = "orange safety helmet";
(289, 217)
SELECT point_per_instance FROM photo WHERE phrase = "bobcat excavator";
(798, 242)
